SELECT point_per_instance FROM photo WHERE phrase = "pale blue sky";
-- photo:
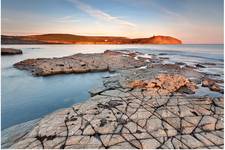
(193, 21)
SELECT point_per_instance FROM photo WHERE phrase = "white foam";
(143, 67)
(144, 56)
(136, 58)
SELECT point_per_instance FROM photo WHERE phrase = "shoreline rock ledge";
(82, 63)
(145, 108)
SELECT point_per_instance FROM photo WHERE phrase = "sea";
(25, 97)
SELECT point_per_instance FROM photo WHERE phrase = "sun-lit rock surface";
(212, 85)
(159, 40)
(165, 84)
(127, 112)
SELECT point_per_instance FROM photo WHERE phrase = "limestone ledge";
(82, 63)
(161, 111)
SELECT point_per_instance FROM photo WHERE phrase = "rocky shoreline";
(82, 63)
(147, 104)
(10, 51)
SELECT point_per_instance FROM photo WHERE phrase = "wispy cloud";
(100, 14)
(169, 12)
(66, 19)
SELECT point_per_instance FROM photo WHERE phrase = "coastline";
(79, 39)
(123, 126)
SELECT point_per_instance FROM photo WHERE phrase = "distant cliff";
(157, 40)
(77, 39)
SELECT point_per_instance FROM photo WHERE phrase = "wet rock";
(164, 58)
(212, 85)
(180, 63)
(162, 54)
(200, 66)
(215, 87)
(186, 90)
(209, 63)
(109, 52)
(191, 67)
(207, 82)
(10, 51)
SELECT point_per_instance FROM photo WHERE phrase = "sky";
(192, 21)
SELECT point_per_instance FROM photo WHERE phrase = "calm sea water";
(24, 97)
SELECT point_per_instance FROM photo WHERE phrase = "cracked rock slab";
(82, 63)
(151, 113)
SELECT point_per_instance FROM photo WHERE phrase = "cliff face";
(77, 39)
(159, 40)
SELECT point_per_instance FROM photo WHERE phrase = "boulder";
(199, 66)
(212, 85)
(207, 82)
(215, 87)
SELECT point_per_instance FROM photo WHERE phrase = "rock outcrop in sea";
(81, 63)
(10, 51)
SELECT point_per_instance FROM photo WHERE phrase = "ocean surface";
(24, 97)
